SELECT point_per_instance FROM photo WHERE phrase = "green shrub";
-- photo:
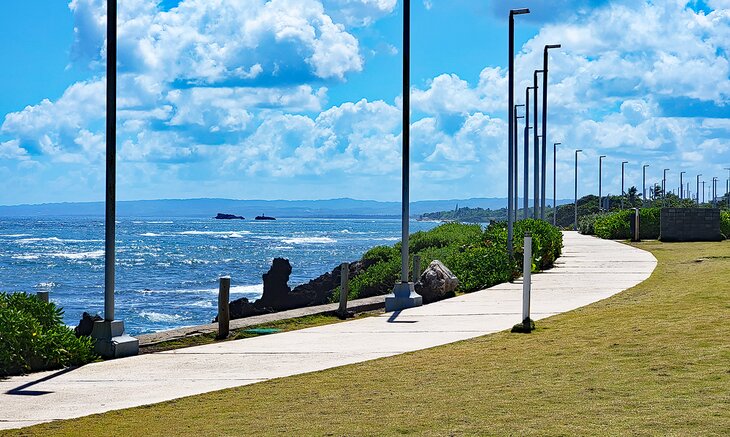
(649, 223)
(480, 267)
(586, 224)
(33, 337)
(614, 226)
(547, 243)
(725, 223)
(478, 257)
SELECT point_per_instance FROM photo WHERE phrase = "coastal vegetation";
(33, 337)
(478, 257)
(647, 361)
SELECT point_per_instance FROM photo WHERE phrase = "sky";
(301, 99)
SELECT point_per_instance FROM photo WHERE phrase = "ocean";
(167, 270)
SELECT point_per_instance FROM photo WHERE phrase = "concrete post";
(344, 289)
(526, 277)
(224, 314)
(416, 268)
(42, 296)
(636, 236)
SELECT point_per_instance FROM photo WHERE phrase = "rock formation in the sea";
(436, 283)
(222, 216)
(86, 324)
(278, 296)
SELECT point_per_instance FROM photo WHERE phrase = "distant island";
(466, 215)
(264, 217)
(222, 216)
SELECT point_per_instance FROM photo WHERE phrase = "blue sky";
(300, 99)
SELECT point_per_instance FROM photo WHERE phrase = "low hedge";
(33, 337)
(725, 223)
(478, 257)
(617, 225)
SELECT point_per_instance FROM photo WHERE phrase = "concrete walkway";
(590, 270)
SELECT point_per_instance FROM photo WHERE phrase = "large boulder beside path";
(437, 282)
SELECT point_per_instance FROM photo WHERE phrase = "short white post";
(224, 315)
(344, 289)
(526, 277)
(416, 268)
(42, 296)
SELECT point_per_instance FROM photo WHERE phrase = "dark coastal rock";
(86, 324)
(222, 216)
(278, 296)
(436, 283)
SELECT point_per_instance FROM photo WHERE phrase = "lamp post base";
(111, 341)
(404, 296)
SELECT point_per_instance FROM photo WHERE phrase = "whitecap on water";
(150, 234)
(45, 285)
(309, 240)
(218, 234)
(160, 317)
(79, 255)
(14, 235)
(26, 257)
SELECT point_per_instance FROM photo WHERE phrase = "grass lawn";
(654, 360)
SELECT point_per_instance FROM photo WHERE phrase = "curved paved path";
(589, 270)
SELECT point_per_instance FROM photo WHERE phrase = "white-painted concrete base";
(590, 270)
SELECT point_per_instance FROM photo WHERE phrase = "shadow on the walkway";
(21, 390)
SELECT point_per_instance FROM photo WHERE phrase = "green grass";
(650, 361)
(251, 331)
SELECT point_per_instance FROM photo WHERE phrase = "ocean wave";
(309, 240)
(161, 223)
(203, 304)
(218, 234)
(56, 240)
(14, 235)
(45, 285)
(257, 289)
(161, 317)
(251, 290)
(150, 234)
(94, 254)
(26, 257)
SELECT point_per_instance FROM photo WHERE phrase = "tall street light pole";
(110, 339)
(544, 122)
(698, 188)
(703, 191)
(536, 165)
(555, 184)
(623, 192)
(404, 294)
(681, 184)
(515, 160)
(727, 191)
(600, 182)
(575, 222)
(526, 153)
(664, 183)
(714, 191)
(643, 183)
(510, 105)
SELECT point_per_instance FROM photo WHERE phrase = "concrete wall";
(690, 224)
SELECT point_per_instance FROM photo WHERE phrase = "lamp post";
(110, 338)
(600, 182)
(623, 192)
(404, 294)
(681, 184)
(526, 164)
(555, 184)
(698, 188)
(714, 192)
(664, 183)
(727, 191)
(536, 165)
(515, 160)
(544, 122)
(575, 222)
(643, 183)
(510, 103)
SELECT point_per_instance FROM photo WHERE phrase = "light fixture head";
(552, 46)
(602, 156)
(519, 11)
(625, 162)
(578, 150)
(557, 144)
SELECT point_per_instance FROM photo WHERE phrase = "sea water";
(167, 270)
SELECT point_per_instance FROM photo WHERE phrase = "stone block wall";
(690, 224)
